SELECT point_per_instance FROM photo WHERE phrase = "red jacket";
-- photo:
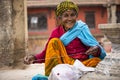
(75, 49)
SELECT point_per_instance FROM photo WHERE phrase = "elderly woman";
(70, 40)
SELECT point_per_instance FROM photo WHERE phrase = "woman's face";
(68, 19)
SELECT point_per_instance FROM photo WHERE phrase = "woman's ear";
(58, 19)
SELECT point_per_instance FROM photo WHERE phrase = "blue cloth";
(81, 30)
(39, 77)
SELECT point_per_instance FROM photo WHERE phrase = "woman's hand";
(92, 50)
(29, 59)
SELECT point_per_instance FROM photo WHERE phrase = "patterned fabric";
(65, 5)
(56, 54)
(92, 62)
(81, 30)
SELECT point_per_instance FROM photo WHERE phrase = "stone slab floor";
(22, 74)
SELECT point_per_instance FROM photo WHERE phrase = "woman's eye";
(65, 15)
(69, 15)
(73, 14)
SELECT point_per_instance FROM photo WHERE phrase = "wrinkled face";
(68, 19)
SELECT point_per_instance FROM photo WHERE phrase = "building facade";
(42, 20)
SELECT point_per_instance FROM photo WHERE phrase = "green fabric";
(65, 5)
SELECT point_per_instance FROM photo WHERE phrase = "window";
(118, 16)
(37, 22)
(90, 18)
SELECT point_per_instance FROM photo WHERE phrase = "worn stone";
(13, 32)
(98, 76)
(112, 32)
(6, 32)
(110, 65)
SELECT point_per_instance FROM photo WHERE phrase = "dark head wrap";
(64, 6)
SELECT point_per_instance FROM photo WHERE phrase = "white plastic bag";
(81, 67)
(69, 72)
(63, 72)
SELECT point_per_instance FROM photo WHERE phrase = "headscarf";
(65, 5)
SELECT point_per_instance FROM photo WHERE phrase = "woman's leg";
(92, 62)
(56, 54)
